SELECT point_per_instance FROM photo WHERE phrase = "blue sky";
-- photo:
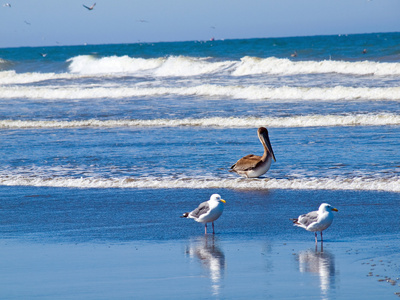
(55, 22)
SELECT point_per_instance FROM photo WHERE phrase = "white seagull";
(89, 8)
(252, 166)
(316, 220)
(208, 211)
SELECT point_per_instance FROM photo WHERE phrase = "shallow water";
(104, 147)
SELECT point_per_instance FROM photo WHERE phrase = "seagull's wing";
(203, 208)
(309, 218)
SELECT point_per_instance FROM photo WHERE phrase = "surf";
(332, 120)
(391, 184)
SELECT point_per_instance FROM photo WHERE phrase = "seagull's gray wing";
(309, 218)
(202, 209)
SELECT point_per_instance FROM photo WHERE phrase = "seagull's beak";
(222, 200)
(334, 209)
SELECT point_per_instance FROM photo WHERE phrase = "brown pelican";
(207, 212)
(316, 220)
(89, 8)
(252, 166)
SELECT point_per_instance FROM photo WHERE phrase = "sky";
(58, 22)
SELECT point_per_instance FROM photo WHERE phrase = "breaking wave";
(339, 183)
(207, 90)
(193, 66)
(178, 66)
(220, 122)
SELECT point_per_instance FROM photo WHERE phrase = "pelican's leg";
(213, 227)
(205, 228)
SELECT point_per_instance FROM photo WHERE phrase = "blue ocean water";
(178, 115)
(105, 145)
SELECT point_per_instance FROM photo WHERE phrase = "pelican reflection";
(212, 258)
(322, 264)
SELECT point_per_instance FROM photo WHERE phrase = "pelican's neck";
(265, 155)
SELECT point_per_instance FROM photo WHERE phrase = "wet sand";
(211, 267)
(131, 244)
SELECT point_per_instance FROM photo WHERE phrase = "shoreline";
(200, 267)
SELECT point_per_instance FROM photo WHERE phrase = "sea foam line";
(338, 93)
(178, 66)
(358, 183)
(193, 66)
(219, 122)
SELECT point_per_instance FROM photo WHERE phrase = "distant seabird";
(294, 54)
(252, 166)
(316, 220)
(208, 211)
(89, 8)
(7, 5)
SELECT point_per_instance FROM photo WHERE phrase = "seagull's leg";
(316, 239)
(213, 227)
(205, 227)
(321, 238)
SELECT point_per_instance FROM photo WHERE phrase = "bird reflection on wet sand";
(211, 257)
(321, 263)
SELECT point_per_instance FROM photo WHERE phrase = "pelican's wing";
(247, 163)
(202, 209)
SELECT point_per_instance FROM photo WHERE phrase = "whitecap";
(339, 183)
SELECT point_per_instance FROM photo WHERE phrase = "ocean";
(103, 147)
(178, 115)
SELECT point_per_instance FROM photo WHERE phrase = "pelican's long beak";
(268, 144)
(222, 200)
(334, 209)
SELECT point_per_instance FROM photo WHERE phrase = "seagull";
(7, 5)
(89, 8)
(316, 220)
(208, 211)
(252, 166)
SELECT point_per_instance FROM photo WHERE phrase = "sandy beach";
(114, 244)
(212, 267)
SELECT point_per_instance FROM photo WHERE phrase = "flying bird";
(316, 220)
(89, 8)
(252, 166)
(208, 211)
(7, 5)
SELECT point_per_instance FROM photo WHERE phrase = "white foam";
(220, 122)
(88, 64)
(338, 93)
(272, 65)
(191, 66)
(159, 67)
(12, 77)
(357, 183)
